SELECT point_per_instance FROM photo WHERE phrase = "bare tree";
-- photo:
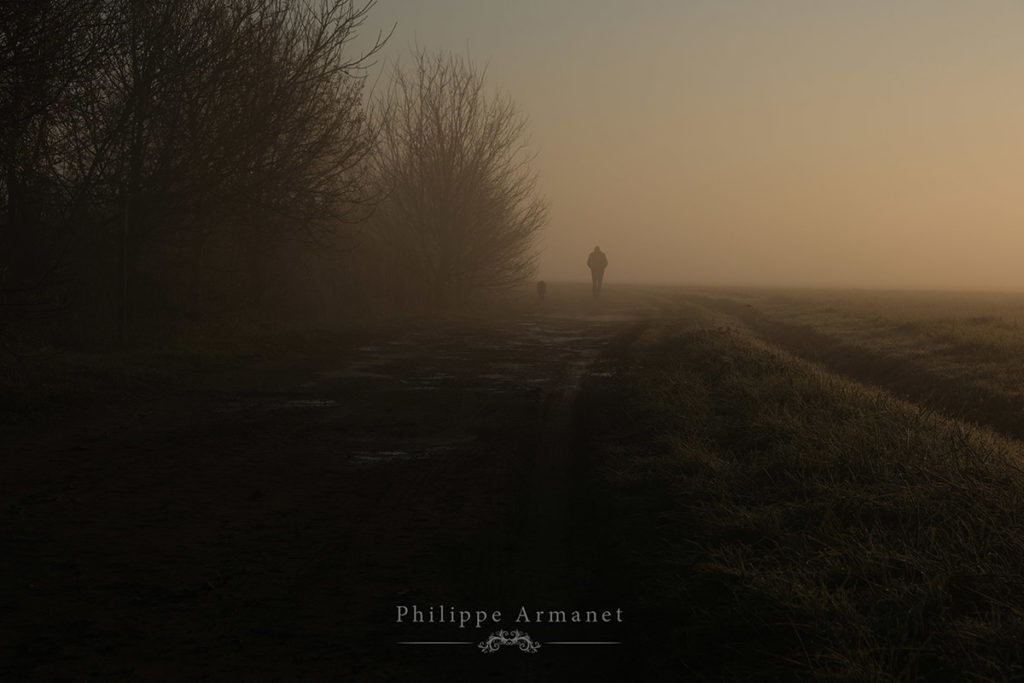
(48, 50)
(225, 125)
(462, 210)
(164, 146)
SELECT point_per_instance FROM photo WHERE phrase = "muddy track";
(273, 533)
(542, 558)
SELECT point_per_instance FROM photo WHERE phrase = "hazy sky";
(811, 142)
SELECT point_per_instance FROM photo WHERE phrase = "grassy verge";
(774, 521)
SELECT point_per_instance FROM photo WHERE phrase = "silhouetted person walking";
(597, 262)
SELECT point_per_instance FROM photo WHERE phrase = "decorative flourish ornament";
(520, 639)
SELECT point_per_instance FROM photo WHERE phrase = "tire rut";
(949, 396)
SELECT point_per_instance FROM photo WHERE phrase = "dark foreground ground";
(269, 527)
(741, 490)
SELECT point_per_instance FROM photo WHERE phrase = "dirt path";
(276, 533)
(542, 560)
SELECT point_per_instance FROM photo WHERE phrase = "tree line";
(168, 162)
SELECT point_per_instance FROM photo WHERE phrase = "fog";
(872, 144)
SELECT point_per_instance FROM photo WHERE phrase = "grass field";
(790, 517)
(974, 338)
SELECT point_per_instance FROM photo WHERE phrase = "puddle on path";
(389, 456)
(264, 404)
(378, 457)
(309, 403)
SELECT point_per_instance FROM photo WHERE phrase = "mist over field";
(541, 341)
(866, 144)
